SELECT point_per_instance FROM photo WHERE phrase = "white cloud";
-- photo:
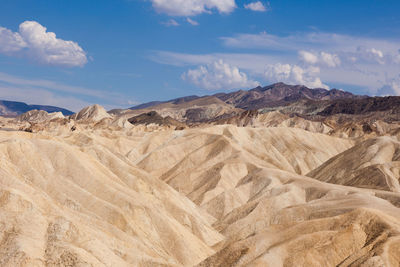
(351, 62)
(376, 52)
(10, 41)
(308, 57)
(192, 22)
(362, 62)
(33, 41)
(395, 87)
(253, 63)
(331, 60)
(256, 6)
(218, 75)
(170, 23)
(367, 77)
(316, 41)
(391, 87)
(372, 55)
(293, 74)
(322, 58)
(192, 7)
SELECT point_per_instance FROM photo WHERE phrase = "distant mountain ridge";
(179, 100)
(277, 94)
(280, 94)
(13, 108)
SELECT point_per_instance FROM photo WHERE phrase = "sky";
(120, 53)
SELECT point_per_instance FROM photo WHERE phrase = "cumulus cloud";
(33, 41)
(256, 6)
(294, 74)
(372, 55)
(343, 59)
(331, 60)
(321, 58)
(368, 64)
(10, 41)
(218, 75)
(192, 22)
(192, 7)
(308, 57)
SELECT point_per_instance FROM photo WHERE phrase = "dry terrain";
(250, 189)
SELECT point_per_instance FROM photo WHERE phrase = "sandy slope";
(374, 163)
(63, 204)
(103, 193)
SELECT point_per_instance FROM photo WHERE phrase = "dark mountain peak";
(363, 105)
(269, 87)
(153, 117)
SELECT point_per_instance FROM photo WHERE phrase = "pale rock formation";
(91, 113)
(39, 116)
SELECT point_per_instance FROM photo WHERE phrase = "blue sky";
(122, 52)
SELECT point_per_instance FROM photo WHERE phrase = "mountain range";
(314, 104)
(12, 108)
(277, 94)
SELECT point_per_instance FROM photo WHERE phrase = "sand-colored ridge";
(109, 193)
(374, 163)
(91, 113)
(275, 119)
(100, 196)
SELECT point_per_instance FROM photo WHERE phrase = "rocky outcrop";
(154, 118)
(39, 116)
(92, 113)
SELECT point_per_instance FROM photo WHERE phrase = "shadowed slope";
(374, 163)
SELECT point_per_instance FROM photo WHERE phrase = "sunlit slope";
(269, 214)
(61, 204)
(205, 164)
(374, 163)
(94, 192)
(292, 220)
